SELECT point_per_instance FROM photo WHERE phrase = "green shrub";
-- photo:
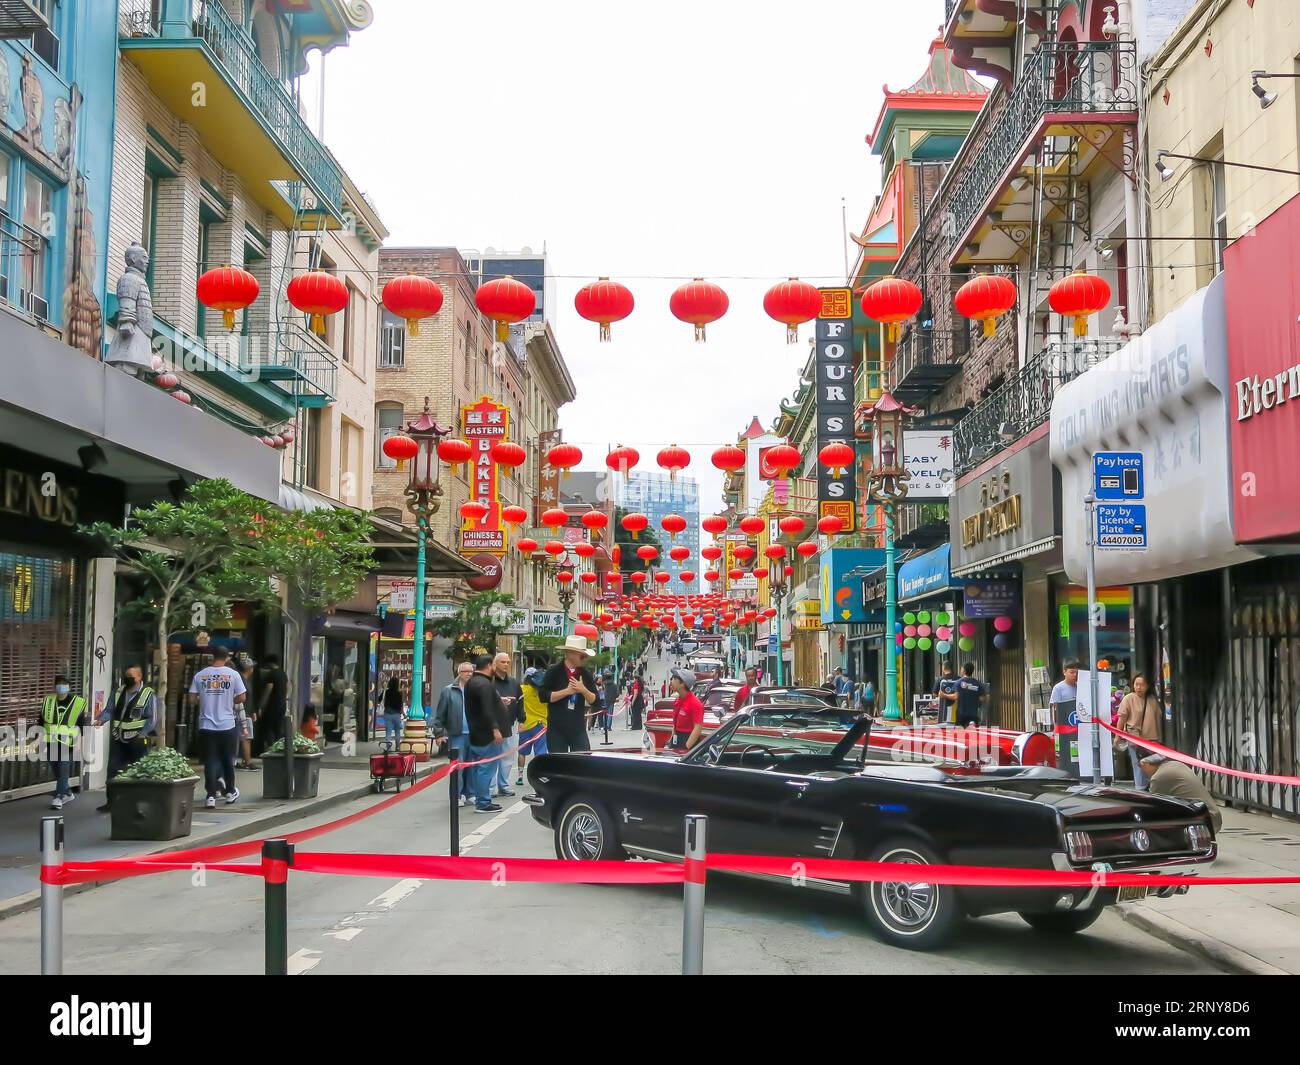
(301, 745)
(162, 763)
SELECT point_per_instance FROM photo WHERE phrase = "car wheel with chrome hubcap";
(920, 915)
(584, 832)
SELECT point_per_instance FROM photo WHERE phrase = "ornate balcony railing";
(1058, 78)
(1024, 401)
(233, 51)
(928, 354)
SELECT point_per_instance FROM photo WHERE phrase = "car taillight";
(1079, 846)
(1199, 837)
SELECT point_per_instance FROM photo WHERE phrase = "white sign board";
(548, 623)
(440, 610)
(743, 584)
(521, 623)
(928, 456)
(1083, 711)
(402, 598)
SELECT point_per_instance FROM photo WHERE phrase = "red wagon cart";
(392, 765)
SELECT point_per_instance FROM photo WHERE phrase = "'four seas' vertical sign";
(835, 494)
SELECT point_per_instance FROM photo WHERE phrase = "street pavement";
(195, 922)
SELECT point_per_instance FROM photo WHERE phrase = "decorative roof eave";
(323, 24)
(945, 86)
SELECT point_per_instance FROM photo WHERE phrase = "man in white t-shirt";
(218, 690)
(1067, 690)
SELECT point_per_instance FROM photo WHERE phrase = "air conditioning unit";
(37, 307)
(22, 18)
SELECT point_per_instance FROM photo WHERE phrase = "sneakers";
(519, 781)
(232, 796)
(56, 803)
(69, 797)
(211, 804)
(490, 808)
(506, 792)
(103, 809)
(247, 767)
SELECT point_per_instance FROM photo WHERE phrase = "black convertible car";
(780, 794)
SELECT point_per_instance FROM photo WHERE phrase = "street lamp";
(423, 497)
(777, 589)
(564, 577)
(887, 481)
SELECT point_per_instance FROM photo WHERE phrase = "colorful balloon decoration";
(910, 643)
(965, 643)
(966, 628)
(924, 643)
(1003, 624)
(1000, 641)
(943, 647)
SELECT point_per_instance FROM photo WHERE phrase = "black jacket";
(556, 679)
(483, 708)
(513, 712)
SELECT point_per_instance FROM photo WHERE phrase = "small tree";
(477, 625)
(194, 557)
(317, 559)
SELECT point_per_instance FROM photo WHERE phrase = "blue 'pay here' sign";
(1122, 525)
(1117, 475)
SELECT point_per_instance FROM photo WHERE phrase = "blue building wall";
(56, 127)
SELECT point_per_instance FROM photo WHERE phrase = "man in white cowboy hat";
(568, 689)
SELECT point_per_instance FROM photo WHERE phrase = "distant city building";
(656, 495)
(525, 265)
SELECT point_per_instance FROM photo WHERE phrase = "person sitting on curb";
(1167, 776)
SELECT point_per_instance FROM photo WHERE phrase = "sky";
(647, 143)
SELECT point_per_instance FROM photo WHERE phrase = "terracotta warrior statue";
(132, 347)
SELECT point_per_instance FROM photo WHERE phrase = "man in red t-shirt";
(742, 696)
(688, 711)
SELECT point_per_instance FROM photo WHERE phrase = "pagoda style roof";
(943, 86)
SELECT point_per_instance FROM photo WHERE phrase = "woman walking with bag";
(393, 716)
(1139, 715)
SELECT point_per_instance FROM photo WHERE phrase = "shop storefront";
(928, 603)
(46, 588)
(1005, 540)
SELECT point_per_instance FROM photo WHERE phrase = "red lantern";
(807, 549)
(686, 576)
(317, 294)
(564, 576)
(637, 577)
(774, 551)
(646, 553)
(791, 525)
(401, 447)
(595, 519)
(453, 451)
(793, 302)
(783, 458)
(662, 577)
(711, 553)
(715, 524)
(412, 297)
(769, 613)
(698, 302)
(830, 525)
(708, 619)
(181, 396)
(674, 459)
(673, 524)
(564, 457)
(892, 300)
(984, 298)
(604, 301)
(508, 453)
(554, 518)
(227, 289)
(583, 549)
(711, 575)
(505, 301)
(634, 523)
(760, 572)
(679, 554)
(590, 632)
(1078, 296)
(526, 545)
(167, 380)
(473, 510)
(752, 524)
(789, 571)
(735, 574)
(837, 457)
(587, 578)
(554, 548)
(622, 459)
(585, 615)
(729, 458)
(514, 516)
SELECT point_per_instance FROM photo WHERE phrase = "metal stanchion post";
(277, 856)
(453, 793)
(51, 898)
(693, 896)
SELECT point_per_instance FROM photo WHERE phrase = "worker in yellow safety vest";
(61, 719)
(133, 713)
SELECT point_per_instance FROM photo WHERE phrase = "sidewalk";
(86, 833)
(1253, 929)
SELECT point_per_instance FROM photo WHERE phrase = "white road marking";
(345, 935)
(395, 894)
(483, 831)
(301, 961)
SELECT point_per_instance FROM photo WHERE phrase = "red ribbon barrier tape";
(503, 754)
(530, 870)
(1187, 759)
(966, 875)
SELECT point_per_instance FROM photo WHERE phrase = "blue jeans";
(61, 759)
(1140, 780)
(393, 728)
(481, 776)
(457, 749)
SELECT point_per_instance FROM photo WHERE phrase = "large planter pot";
(306, 776)
(151, 809)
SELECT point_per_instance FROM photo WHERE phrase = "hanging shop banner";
(926, 575)
(928, 456)
(1263, 402)
(808, 614)
(1007, 510)
(731, 541)
(548, 477)
(483, 424)
(842, 570)
(1165, 396)
(836, 494)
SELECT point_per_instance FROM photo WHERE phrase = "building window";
(314, 442)
(389, 421)
(392, 342)
(38, 225)
(350, 476)
(351, 316)
(1219, 211)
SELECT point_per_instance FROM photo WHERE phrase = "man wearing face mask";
(61, 715)
(133, 713)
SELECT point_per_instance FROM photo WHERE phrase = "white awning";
(295, 499)
(1036, 548)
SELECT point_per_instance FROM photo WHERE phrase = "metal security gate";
(42, 632)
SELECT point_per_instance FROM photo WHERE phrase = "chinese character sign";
(835, 493)
(548, 477)
(483, 424)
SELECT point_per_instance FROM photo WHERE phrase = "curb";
(1226, 957)
(31, 900)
